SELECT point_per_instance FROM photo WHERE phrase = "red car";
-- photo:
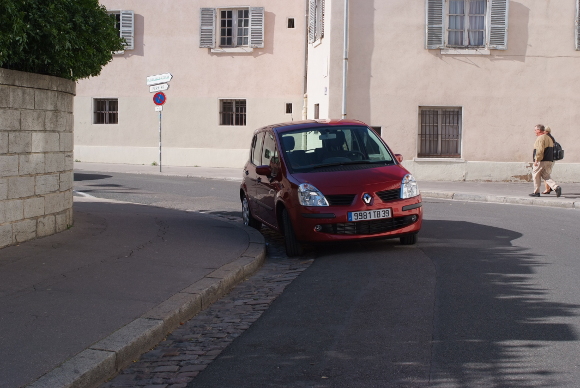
(324, 181)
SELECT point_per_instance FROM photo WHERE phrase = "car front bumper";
(330, 223)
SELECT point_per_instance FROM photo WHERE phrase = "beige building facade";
(217, 96)
(455, 86)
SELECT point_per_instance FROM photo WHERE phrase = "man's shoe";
(558, 191)
(535, 195)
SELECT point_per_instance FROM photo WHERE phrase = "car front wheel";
(247, 215)
(293, 247)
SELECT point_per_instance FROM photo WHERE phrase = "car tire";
(293, 247)
(247, 215)
(409, 239)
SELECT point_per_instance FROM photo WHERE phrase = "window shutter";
(320, 20)
(434, 31)
(257, 27)
(128, 29)
(207, 28)
(577, 25)
(498, 25)
(311, 21)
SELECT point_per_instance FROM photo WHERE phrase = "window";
(467, 24)
(377, 130)
(106, 111)
(234, 27)
(241, 27)
(289, 108)
(290, 22)
(315, 20)
(270, 153)
(439, 132)
(125, 21)
(316, 111)
(232, 112)
(257, 148)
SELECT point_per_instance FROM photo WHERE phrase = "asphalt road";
(489, 297)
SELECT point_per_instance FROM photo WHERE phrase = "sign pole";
(159, 141)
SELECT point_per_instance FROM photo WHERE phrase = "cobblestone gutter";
(36, 155)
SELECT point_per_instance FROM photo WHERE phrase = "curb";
(500, 199)
(107, 357)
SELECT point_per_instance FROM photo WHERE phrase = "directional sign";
(159, 79)
(159, 98)
(158, 88)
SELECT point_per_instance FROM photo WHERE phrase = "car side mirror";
(399, 158)
(264, 170)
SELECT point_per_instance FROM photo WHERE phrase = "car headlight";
(309, 195)
(409, 187)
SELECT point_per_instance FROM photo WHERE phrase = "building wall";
(502, 95)
(167, 41)
(36, 155)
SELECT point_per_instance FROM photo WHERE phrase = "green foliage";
(71, 39)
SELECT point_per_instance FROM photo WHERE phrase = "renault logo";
(367, 198)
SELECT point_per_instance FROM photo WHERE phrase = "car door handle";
(247, 172)
(259, 180)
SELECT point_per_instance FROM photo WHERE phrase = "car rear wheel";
(293, 247)
(409, 239)
(247, 215)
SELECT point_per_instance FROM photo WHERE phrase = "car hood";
(325, 181)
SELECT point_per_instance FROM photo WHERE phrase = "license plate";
(369, 215)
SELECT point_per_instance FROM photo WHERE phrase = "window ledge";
(447, 160)
(451, 51)
(233, 50)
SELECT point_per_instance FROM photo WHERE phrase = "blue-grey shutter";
(311, 21)
(577, 25)
(498, 24)
(127, 29)
(434, 32)
(207, 28)
(257, 27)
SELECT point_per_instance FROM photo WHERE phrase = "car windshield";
(310, 149)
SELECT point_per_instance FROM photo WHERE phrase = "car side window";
(257, 148)
(270, 153)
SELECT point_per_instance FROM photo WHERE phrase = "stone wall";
(36, 155)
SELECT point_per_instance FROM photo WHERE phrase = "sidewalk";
(498, 192)
(80, 305)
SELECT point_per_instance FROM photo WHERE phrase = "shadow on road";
(490, 311)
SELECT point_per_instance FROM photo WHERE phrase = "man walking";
(543, 162)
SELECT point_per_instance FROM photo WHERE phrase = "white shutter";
(257, 27)
(498, 24)
(577, 25)
(207, 28)
(434, 32)
(127, 29)
(311, 21)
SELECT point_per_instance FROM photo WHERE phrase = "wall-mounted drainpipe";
(345, 60)
(305, 100)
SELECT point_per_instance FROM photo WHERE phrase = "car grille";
(369, 227)
(340, 199)
(389, 195)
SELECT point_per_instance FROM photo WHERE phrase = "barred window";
(439, 132)
(232, 112)
(106, 111)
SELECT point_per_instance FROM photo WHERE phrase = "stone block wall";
(36, 155)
